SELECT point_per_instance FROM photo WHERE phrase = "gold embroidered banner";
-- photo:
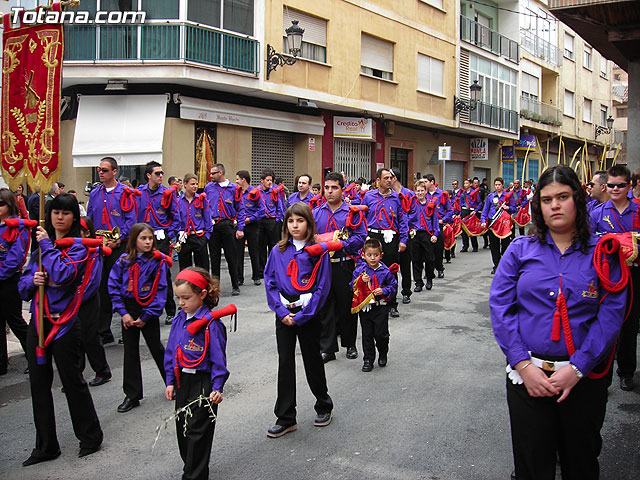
(31, 84)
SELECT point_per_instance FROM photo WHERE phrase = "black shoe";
(34, 460)
(513, 475)
(406, 299)
(440, 273)
(240, 282)
(453, 254)
(394, 312)
(168, 320)
(382, 360)
(485, 247)
(417, 288)
(367, 366)
(327, 357)
(3, 371)
(493, 271)
(446, 260)
(257, 282)
(127, 405)
(120, 341)
(322, 419)
(97, 381)
(107, 339)
(84, 451)
(474, 250)
(26, 371)
(235, 292)
(352, 353)
(464, 249)
(278, 430)
(429, 284)
(626, 384)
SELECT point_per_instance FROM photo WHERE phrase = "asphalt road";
(437, 411)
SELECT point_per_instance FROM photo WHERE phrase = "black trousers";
(449, 253)
(91, 344)
(268, 236)
(170, 305)
(66, 351)
(390, 255)
(542, 430)
(438, 252)
(423, 254)
(485, 237)
(223, 237)
(498, 246)
(132, 371)
(308, 334)
(336, 317)
(251, 237)
(12, 308)
(106, 308)
(195, 446)
(405, 268)
(194, 250)
(627, 354)
(465, 237)
(375, 332)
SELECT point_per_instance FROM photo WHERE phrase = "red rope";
(134, 278)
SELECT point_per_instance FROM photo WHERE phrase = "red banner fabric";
(362, 295)
(523, 217)
(31, 85)
(457, 225)
(471, 225)
(503, 225)
(448, 236)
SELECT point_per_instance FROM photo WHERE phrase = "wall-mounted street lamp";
(606, 130)
(294, 41)
(460, 105)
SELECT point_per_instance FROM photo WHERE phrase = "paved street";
(437, 411)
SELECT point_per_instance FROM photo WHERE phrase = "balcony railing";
(540, 48)
(495, 117)
(168, 42)
(540, 112)
(483, 37)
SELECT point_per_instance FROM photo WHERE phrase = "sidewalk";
(13, 345)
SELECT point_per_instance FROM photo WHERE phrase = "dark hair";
(358, 181)
(381, 171)
(244, 174)
(635, 177)
(135, 230)
(319, 187)
(148, 168)
(430, 177)
(220, 167)
(302, 210)
(305, 175)
(566, 176)
(188, 177)
(90, 227)
(267, 172)
(112, 162)
(60, 184)
(278, 181)
(172, 179)
(10, 199)
(602, 176)
(498, 179)
(335, 177)
(619, 171)
(69, 203)
(213, 289)
(373, 243)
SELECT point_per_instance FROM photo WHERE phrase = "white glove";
(514, 376)
(388, 235)
(182, 237)
(159, 234)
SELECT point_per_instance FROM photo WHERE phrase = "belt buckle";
(548, 366)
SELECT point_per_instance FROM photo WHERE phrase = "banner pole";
(41, 287)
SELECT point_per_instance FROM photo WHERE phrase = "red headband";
(194, 278)
(83, 224)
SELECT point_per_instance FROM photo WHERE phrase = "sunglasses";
(103, 170)
(3, 203)
(158, 174)
(590, 184)
(619, 185)
(214, 172)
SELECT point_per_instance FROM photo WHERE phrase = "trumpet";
(112, 235)
(177, 246)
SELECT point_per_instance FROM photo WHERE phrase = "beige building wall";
(308, 161)
(178, 155)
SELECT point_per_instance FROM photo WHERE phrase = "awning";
(129, 128)
(219, 112)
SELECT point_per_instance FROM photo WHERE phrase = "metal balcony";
(162, 42)
(540, 112)
(540, 48)
(487, 39)
(494, 116)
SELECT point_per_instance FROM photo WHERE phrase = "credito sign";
(353, 128)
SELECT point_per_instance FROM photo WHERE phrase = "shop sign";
(508, 153)
(526, 141)
(312, 144)
(479, 149)
(353, 128)
(444, 153)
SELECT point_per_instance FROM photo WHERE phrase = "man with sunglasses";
(158, 206)
(110, 206)
(619, 215)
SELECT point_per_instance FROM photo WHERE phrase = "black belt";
(553, 358)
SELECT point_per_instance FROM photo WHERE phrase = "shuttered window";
(353, 158)
(430, 74)
(586, 113)
(376, 57)
(569, 104)
(314, 39)
(530, 84)
(272, 149)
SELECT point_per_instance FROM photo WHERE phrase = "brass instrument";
(112, 235)
(177, 246)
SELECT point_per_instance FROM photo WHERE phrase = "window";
(586, 112)
(530, 86)
(314, 39)
(604, 113)
(376, 57)
(161, 9)
(430, 74)
(588, 53)
(621, 112)
(507, 172)
(532, 164)
(435, 3)
(603, 67)
(499, 83)
(569, 105)
(568, 46)
(236, 15)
